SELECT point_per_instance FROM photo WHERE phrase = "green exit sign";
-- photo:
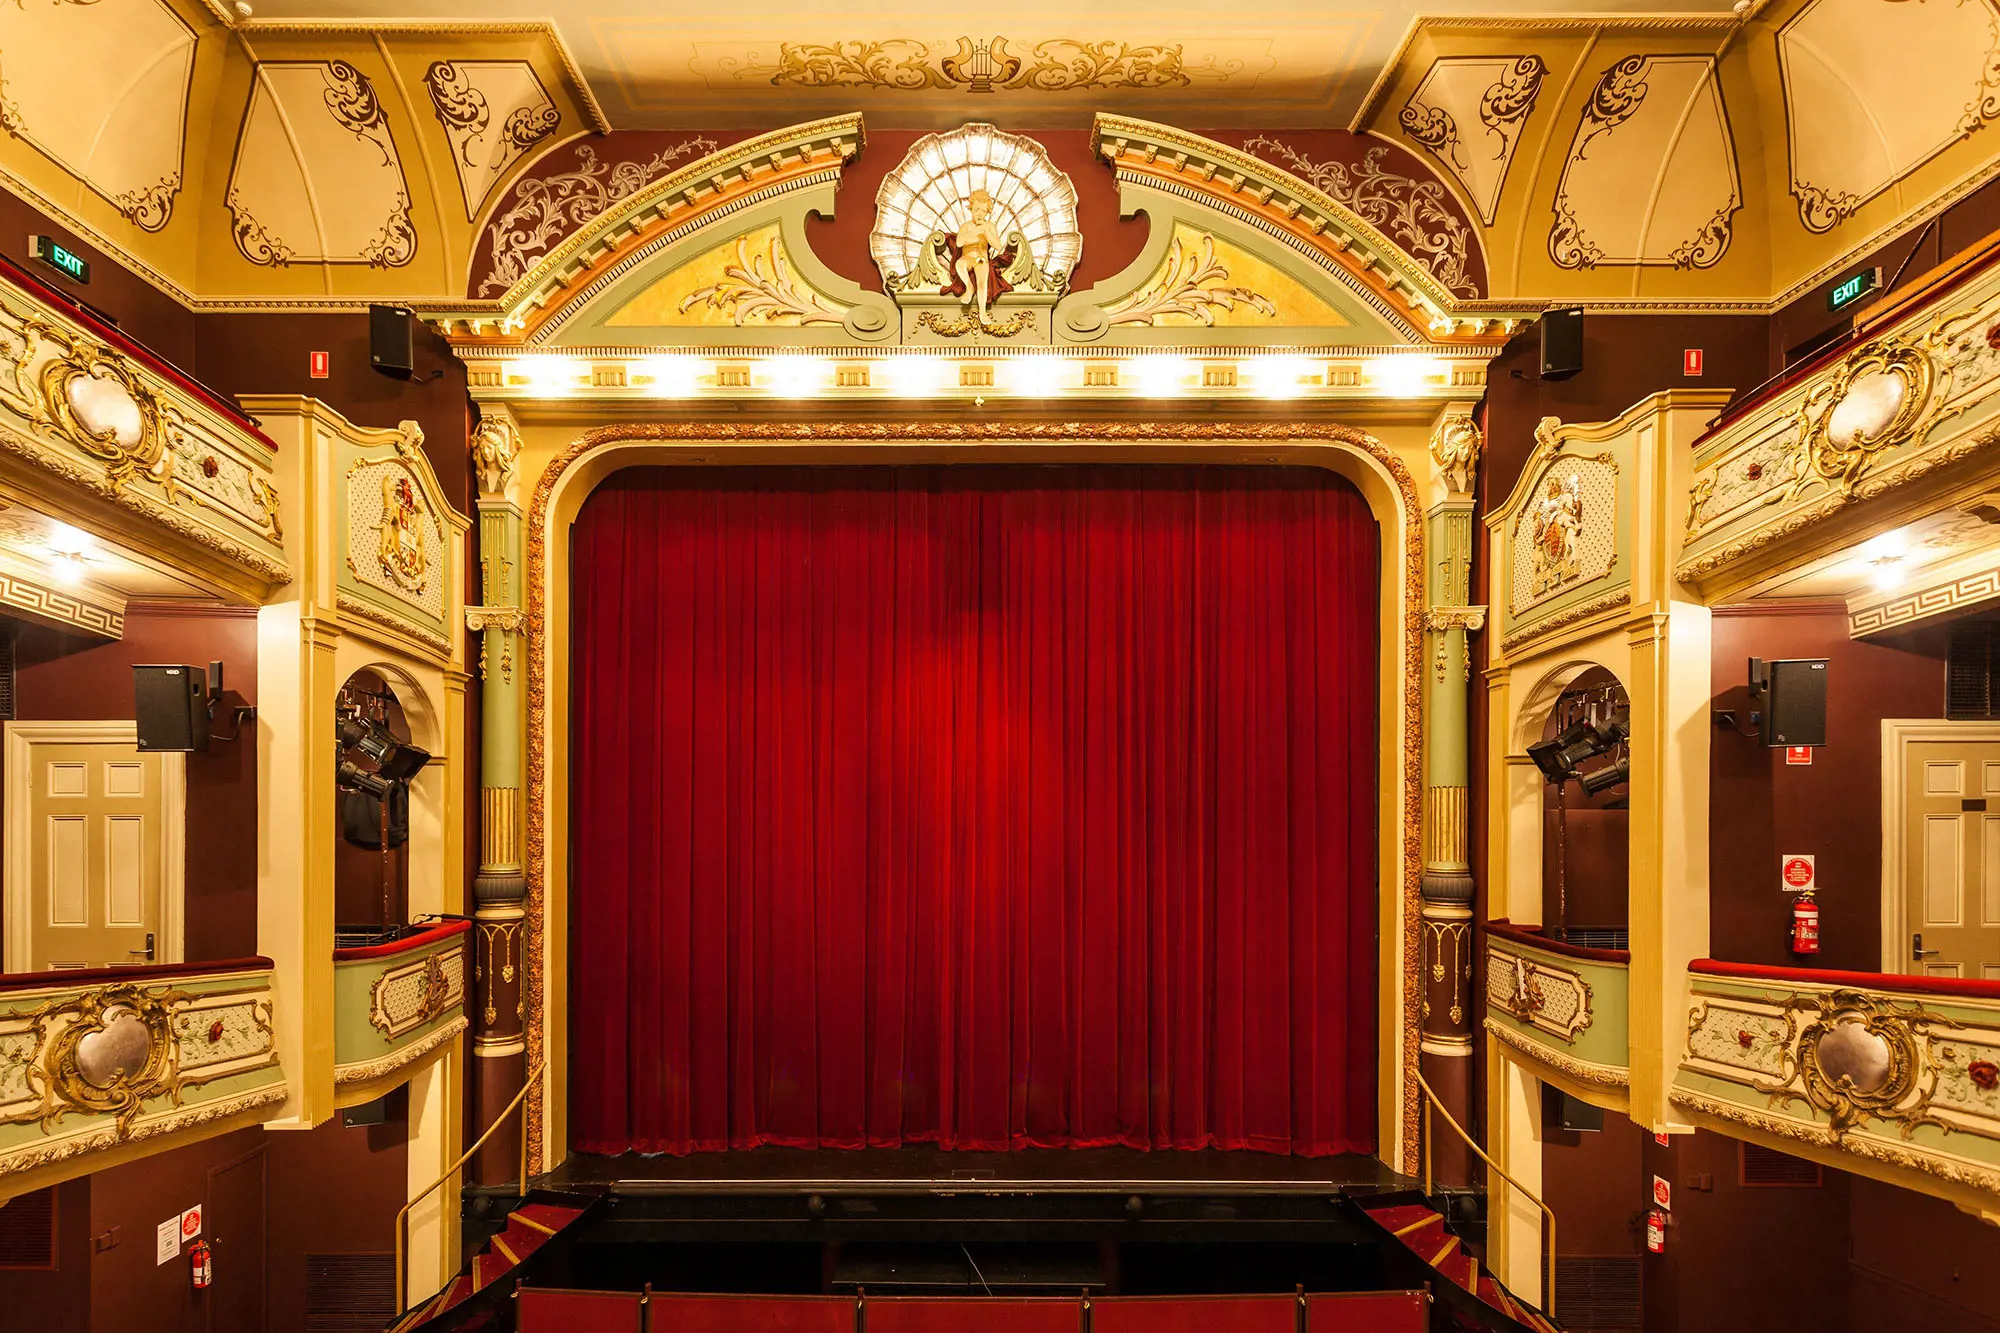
(1852, 290)
(60, 258)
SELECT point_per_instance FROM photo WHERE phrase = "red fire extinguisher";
(1656, 1232)
(198, 1261)
(1805, 924)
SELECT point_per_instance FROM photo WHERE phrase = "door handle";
(1917, 950)
(147, 952)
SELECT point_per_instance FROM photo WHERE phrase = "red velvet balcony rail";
(422, 939)
(1969, 988)
(81, 977)
(1532, 937)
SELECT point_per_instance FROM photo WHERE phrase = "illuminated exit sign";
(60, 258)
(1856, 287)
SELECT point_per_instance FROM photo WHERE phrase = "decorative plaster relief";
(1540, 994)
(926, 203)
(101, 89)
(542, 211)
(1567, 535)
(407, 996)
(1653, 130)
(493, 111)
(968, 64)
(1191, 286)
(394, 540)
(1873, 91)
(748, 280)
(1496, 96)
(317, 177)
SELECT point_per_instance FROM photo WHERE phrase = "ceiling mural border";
(359, 110)
(1618, 94)
(1820, 212)
(1518, 88)
(383, 29)
(9, 124)
(459, 104)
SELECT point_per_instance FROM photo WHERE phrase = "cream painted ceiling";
(1296, 63)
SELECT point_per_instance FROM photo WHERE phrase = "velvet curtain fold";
(989, 807)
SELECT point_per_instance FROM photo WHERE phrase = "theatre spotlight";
(1580, 740)
(1604, 779)
(355, 778)
(394, 760)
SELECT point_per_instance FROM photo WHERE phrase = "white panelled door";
(1951, 848)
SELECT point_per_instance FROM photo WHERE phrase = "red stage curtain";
(985, 807)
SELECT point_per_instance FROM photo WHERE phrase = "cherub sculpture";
(977, 241)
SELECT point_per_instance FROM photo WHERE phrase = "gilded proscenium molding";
(93, 423)
(633, 226)
(1336, 235)
(983, 65)
(87, 1068)
(1407, 697)
(1908, 1078)
(1191, 284)
(1898, 409)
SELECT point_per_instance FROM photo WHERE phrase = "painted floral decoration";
(1985, 1073)
(215, 1032)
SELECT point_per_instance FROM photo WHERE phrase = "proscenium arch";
(1385, 484)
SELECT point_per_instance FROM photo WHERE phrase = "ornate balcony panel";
(394, 1006)
(93, 1065)
(94, 424)
(1884, 438)
(1561, 1008)
(1895, 1077)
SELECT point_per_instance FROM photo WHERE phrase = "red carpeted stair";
(532, 1224)
(1422, 1230)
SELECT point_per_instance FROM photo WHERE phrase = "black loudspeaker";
(171, 703)
(1562, 343)
(1564, 1112)
(391, 340)
(1791, 693)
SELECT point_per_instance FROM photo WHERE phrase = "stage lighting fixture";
(1604, 779)
(403, 762)
(393, 759)
(356, 778)
(1579, 741)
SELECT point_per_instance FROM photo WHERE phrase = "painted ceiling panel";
(1651, 173)
(494, 112)
(1873, 88)
(125, 139)
(1469, 114)
(317, 175)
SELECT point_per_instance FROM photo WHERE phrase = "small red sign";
(1798, 754)
(1691, 362)
(1797, 872)
(319, 365)
(1663, 1140)
(191, 1223)
(1663, 1194)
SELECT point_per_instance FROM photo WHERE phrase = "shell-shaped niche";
(930, 190)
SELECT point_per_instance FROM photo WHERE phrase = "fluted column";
(1446, 909)
(499, 1049)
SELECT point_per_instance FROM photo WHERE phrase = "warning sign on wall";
(1797, 872)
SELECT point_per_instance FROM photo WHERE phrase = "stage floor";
(921, 1170)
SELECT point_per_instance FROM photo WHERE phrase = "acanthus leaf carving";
(1190, 284)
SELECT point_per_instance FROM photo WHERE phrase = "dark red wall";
(63, 677)
(355, 1180)
(1761, 808)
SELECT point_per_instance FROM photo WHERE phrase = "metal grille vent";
(28, 1230)
(1971, 689)
(350, 1293)
(1598, 1291)
(1766, 1167)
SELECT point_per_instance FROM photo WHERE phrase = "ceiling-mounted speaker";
(1562, 343)
(392, 340)
(171, 705)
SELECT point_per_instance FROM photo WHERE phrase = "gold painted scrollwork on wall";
(92, 395)
(762, 289)
(1190, 283)
(1882, 396)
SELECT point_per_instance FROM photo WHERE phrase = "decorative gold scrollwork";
(105, 1052)
(91, 394)
(1884, 395)
(1860, 1060)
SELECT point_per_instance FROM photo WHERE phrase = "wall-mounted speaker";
(1562, 343)
(171, 704)
(1791, 694)
(392, 340)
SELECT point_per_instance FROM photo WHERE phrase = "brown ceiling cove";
(328, 152)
